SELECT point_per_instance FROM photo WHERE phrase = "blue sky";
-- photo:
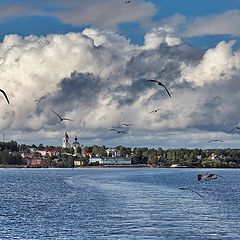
(38, 23)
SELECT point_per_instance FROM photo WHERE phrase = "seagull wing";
(167, 90)
(189, 189)
(127, 124)
(197, 193)
(155, 110)
(219, 176)
(122, 132)
(112, 129)
(5, 95)
(57, 114)
(182, 188)
(237, 128)
(151, 80)
(68, 119)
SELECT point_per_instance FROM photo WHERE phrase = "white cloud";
(226, 23)
(161, 35)
(217, 63)
(98, 13)
(98, 79)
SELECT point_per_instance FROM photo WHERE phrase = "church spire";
(65, 141)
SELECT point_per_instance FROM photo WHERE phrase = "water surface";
(99, 203)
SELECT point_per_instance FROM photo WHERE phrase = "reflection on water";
(118, 204)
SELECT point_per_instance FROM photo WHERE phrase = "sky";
(90, 61)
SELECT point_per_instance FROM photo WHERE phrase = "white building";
(76, 145)
(65, 143)
(110, 160)
(111, 152)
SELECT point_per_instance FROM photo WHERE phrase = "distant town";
(74, 154)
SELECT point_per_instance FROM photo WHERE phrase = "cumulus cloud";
(161, 35)
(216, 64)
(98, 78)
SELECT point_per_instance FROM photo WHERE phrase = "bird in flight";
(238, 128)
(5, 95)
(127, 124)
(190, 189)
(61, 118)
(160, 84)
(118, 131)
(109, 76)
(215, 140)
(207, 176)
(155, 110)
(128, 1)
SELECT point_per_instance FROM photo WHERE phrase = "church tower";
(65, 141)
(76, 145)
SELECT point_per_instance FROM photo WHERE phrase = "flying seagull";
(238, 128)
(128, 1)
(5, 95)
(127, 124)
(155, 110)
(207, 176)
(108, 78)
(189, 189)
(215, 140)
(160, 84)
(118, 131)
(62, 118)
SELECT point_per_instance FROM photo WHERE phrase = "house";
(110, 160)
(111, 152)
(79, 162)
(87, 154)
(27, 160)
(49, 152)
(213, 156)
(96, 160)
(39, 162)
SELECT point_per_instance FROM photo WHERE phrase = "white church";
(66, 144)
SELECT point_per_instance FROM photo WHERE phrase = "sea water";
(118, 203)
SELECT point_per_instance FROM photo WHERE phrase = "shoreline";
(110, 166)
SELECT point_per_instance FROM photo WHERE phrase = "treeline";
(187, 157)
(9, 153)
(182, 156)
(10, 146)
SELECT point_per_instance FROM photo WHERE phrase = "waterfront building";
(49, 152)
(39, 162)
(110, 160)
(111, 152)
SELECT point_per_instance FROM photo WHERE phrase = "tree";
(40, 146)
(99, 150)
